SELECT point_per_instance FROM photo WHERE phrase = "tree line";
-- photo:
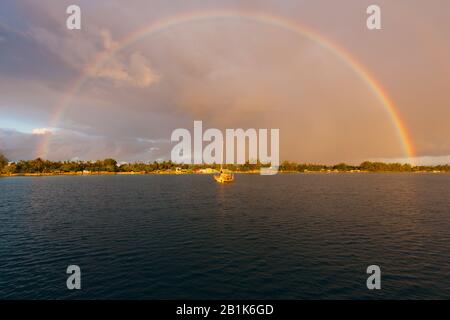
(39, 165)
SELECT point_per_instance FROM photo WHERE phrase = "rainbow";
(264, 18)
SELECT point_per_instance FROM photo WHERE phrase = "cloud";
(68, 144)
(134, 70)
(419, 161)
(108, 43)
(96, 55)
(140, 71)
(80, 50)
(41, 131)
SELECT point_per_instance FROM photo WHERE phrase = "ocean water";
(291, 236)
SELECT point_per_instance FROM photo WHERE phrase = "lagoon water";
(291, 236)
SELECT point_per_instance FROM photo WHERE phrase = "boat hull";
(221, 179)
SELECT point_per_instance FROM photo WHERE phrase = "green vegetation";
(40, 166)
(3, 162)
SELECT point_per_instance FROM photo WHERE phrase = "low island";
(41, 167)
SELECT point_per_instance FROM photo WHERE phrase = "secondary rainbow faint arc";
(281, 22)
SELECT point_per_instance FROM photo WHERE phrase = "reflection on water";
(184, 236)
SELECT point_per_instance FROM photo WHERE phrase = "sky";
(229, 72)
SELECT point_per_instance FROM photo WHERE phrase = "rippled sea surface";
(291, 236)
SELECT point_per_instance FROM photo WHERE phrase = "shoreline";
(106, 173)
